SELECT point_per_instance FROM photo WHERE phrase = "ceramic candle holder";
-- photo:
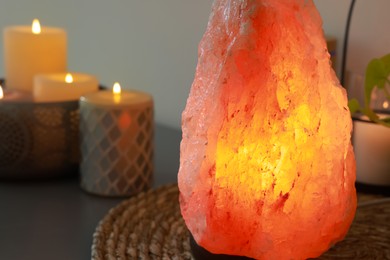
(38, 139)
(372, 149)
(117, 146)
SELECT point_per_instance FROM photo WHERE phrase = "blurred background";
(151, 45)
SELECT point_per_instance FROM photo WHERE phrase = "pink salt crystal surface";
(267, 169)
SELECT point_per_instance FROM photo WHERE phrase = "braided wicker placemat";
(150, 226)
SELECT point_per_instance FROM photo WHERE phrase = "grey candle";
(116, 142)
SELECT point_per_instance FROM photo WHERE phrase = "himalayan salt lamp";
(267, 168)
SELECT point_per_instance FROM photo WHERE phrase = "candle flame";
(116, 89)
(68, 78)
(385, 105)
(36, 27)
(1, 92)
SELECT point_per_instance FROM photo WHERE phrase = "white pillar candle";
(117, 142)
(371, 143)
(63, 86)
(28, 52)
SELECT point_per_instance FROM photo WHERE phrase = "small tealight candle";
(117, 98)
(14, 96)
(30, 50)
(116, 142)
(63, 86)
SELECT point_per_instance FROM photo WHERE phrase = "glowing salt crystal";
(267, 169)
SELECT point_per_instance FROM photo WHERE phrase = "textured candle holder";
(38, 139)
(117, 148)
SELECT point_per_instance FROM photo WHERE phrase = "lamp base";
(200, 253)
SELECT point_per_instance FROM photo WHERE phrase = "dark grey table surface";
(56, 219)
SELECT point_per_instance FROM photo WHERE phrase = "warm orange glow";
(385, 105)
(264, 164)
(124, 121)
(267, 169)
(69, 78)
(36, 27)
(1, 93)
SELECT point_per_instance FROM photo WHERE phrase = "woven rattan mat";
(149, 226)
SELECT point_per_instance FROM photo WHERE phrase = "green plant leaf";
(375, 118)
(354, 106)
(375, 77)
(371, 114)
(386, 120)
(386, 62)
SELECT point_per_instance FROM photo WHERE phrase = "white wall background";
(369, 32)
(151, 45)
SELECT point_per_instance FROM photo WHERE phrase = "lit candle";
(31, 50)
(116, 131)
(63, 86)
(117, 98)
(14, 96)
(117, 90)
